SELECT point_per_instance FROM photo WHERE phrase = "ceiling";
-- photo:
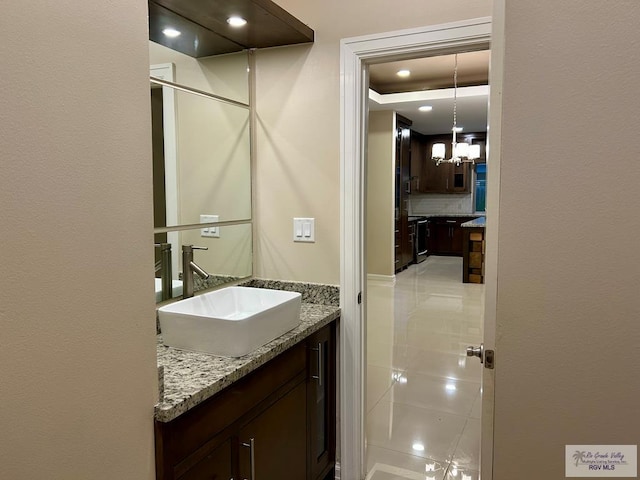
(430, 83)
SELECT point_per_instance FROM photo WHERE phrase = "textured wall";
(77, 351)
(568, 259)
(298, 135)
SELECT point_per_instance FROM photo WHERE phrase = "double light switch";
(213, 232)
(304, 230)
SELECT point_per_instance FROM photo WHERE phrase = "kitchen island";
(473, 247)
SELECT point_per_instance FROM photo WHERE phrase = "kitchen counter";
(432, 215)
(191, 377)
(477, 223)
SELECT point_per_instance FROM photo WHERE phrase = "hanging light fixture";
(461, 152)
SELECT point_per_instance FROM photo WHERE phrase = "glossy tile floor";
(423, 393)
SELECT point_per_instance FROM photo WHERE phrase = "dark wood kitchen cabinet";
(446, 177)
(276, 422)
(403, 246)
(446, 235)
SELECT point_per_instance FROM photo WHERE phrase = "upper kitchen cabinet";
(205, 31)
(446, 177)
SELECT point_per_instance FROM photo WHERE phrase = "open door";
(356, 54)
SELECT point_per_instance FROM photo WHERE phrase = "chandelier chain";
(455, 92)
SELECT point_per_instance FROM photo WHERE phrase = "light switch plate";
(304, 230)
(213, 232)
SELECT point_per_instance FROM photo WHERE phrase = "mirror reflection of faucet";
(189, 267)
(164, 266)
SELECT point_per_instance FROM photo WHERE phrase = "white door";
(356, 54)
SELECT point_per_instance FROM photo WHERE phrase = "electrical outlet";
(212, 232)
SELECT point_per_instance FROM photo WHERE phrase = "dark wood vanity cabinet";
(273, 444)
(276, 422)
(321, 403)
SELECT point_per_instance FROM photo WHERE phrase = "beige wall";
(298, 134)
(77, 348)
(568, 258)
(381, 156)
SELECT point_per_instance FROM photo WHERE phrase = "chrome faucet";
(189, 267)
(164, 267)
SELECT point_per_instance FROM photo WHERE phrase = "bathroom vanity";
(267, 415)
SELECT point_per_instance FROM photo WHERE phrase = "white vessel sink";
(176, 289)
(230, 322)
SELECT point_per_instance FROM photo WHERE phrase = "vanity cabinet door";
(274, 444)
(321, 398)
(215, 466)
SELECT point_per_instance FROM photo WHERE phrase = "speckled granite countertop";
(477, 223)
(191, 377)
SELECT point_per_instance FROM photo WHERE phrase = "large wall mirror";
(201, 165)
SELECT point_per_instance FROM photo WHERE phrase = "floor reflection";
(423, 394)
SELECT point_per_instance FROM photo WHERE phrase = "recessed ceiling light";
(403, 73)
(171, 32)
(236, 21)
(425, 108)
(418, 447)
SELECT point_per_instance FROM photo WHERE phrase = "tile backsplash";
(440, 203)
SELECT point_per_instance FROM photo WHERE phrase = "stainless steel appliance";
(421, 242)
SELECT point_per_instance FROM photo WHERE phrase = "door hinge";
(359, 298)
(489, 359)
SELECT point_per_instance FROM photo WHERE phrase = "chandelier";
(461, 152)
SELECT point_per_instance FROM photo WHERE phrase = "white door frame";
(355, 56)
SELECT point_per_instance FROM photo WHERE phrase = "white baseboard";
(389, 280)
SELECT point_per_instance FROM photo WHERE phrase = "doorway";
(422, 402)
(356, 55)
